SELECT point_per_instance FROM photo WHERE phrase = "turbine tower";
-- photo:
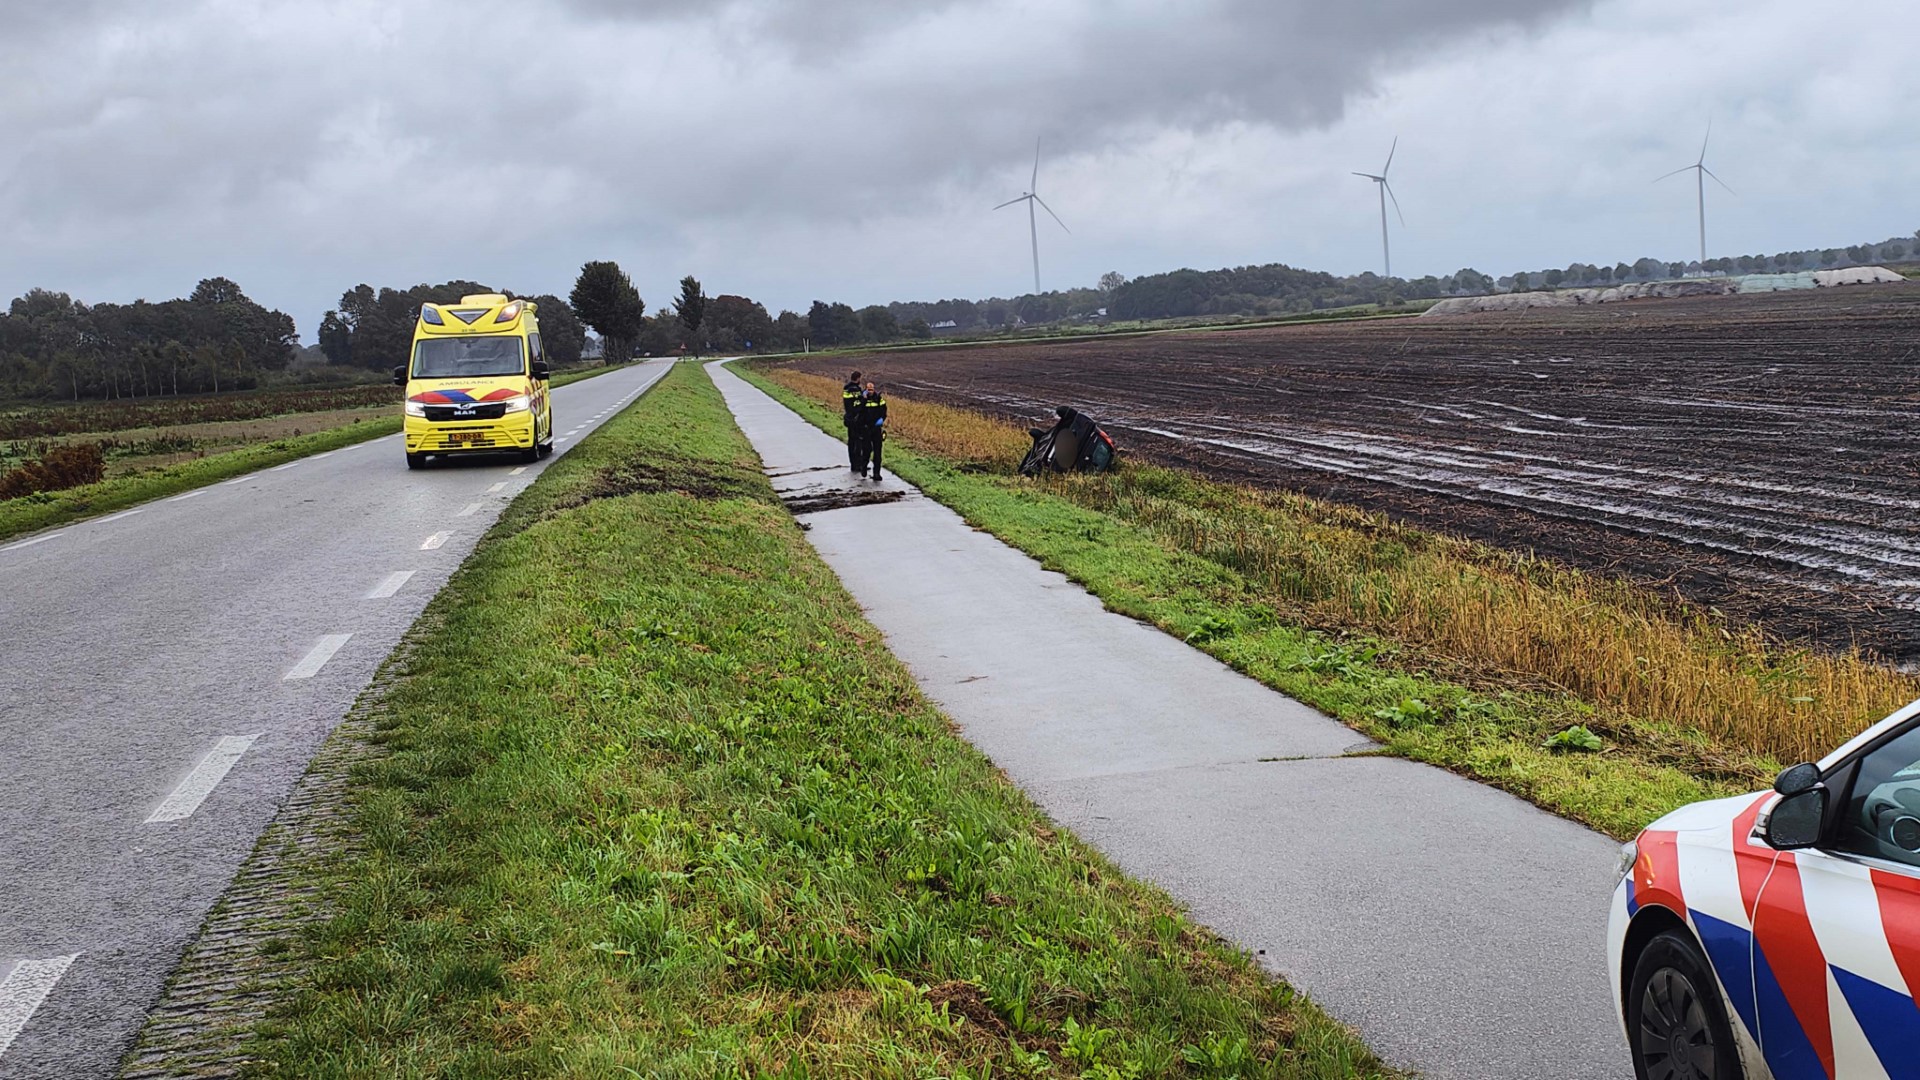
(1030, 197)
(1700, 174)
(1386, 192)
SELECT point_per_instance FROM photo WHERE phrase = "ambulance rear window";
(468, 357)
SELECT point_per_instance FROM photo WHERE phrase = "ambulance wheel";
(416, 461)
(1676, 1017)
(546, 448)
(531, 454)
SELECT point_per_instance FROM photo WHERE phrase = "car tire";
(416, 461)
(1676, 1017)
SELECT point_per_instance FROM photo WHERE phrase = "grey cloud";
(150, 131)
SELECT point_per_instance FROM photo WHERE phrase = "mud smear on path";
(816, 501)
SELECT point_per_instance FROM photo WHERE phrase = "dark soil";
(1753, 453)
(810, 502)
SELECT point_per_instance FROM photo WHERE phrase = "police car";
(1778, 935)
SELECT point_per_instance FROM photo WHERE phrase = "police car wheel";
(1677, 1023)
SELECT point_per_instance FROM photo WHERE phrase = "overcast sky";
(852, 149)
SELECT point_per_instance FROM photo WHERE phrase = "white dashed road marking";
(518, 471)
(281, 468)
(203, 779)
(188, 495)
(501, 486)
(29, 543)
(24, 988)
(435, 541)
(391, 585)
(470, 510)
(122, 514)
(317, 658)
(235, 480)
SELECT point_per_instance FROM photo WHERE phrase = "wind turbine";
(1386, 192)
(1701, 172)
(1030, 197)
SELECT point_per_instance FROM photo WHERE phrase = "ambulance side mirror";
(541, 371)
(400, 375)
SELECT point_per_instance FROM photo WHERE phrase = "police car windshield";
(468, 357)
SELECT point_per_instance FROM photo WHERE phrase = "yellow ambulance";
(476, 381)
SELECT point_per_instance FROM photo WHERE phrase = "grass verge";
(655, 801)
(32, 513)
(1591, 698)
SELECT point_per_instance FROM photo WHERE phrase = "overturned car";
(1074, 444)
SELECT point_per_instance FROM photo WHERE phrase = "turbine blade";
(1050, 213)
(1396, 202)
(1010, 202)
(1370, 176)
(1675, 172)
(1703, 142)
(1390, 153)
(1717, 180)
(1035, 184)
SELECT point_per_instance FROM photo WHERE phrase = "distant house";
(946, 324)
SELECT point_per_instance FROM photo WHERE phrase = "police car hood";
(1714, 814)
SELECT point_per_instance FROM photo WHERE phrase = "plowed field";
(1757, 454)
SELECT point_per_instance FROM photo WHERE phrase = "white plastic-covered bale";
(1759, 283)
(1856, 275)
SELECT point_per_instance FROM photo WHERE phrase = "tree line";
(217, 339)
(55, 347)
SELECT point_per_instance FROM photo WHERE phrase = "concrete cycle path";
(1461, 930)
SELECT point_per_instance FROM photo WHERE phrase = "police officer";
(873, 429)
(849, 413)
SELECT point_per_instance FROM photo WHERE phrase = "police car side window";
(1881, 818)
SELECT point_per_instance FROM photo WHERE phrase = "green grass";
(655, 801)
(31, 513)
(50, 509)
(1483, 725)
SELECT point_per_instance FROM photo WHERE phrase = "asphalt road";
(1461, 930)
(167, 672)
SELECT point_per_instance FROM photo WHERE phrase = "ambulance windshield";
(468, 357)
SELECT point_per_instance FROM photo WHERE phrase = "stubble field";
(1755, 454)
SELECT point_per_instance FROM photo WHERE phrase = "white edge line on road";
(435, 541)
(120, 515)
(392, 584)
(29, 542)
(518, 471)
(501, 486)
(470, 510)
(236, 480)
(188, 495)
(327, 453)
(205, 776)
(317, 657)
(24, 988)
(288, 465)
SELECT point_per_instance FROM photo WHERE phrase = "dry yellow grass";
(1608, 643)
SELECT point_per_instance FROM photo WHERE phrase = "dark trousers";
(863, 445)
